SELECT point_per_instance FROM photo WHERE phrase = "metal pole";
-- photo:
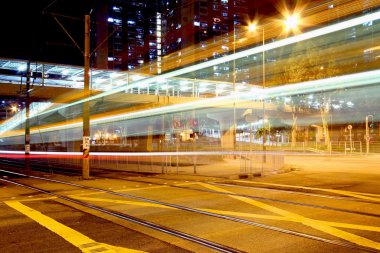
(264, 131)
(86, 116)
(234, 91)
(367, 134)
(27, 124)
(350, 140)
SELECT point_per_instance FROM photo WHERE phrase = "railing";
(347, 147)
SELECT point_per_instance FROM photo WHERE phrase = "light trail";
(328, 84)
(269, 46)
(42, 154)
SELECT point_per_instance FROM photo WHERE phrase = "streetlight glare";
(252, 27)
(292, 22)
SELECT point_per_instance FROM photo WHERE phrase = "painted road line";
(119, 190)
(84, 243)
(36, 199)
(316, 224)
(281, 218)
(352, 226)
(230, 213)
(31, 199)
(131, 189)
(146, 204)
(124, 202)
(360, 195)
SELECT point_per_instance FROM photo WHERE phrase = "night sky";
(28, 32)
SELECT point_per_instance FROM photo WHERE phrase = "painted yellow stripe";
(134, 189)
(84, 243)
(117, 201)
(121, 190)
(232, 213)
(36, 199)
(306, 221)
(352, 226)
(360, 195)
(272, 217)
(260, 216)
(247, 215)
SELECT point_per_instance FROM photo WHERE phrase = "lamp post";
(291, 23)
(253, 27)
(234, 89)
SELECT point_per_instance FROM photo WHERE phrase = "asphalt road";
(253, 215)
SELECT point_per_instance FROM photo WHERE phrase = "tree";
(305, 63)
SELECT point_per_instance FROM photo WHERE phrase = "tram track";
(265, 198)
(145, 223)
(275, 189)
(234, 184)
(178, 207)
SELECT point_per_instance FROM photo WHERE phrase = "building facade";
(129, 34)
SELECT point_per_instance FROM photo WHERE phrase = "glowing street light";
(292, 22)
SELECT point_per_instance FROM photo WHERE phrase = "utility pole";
(27, 125)
(86, 109)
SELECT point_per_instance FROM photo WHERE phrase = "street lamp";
(12, 109)
(291, 23)
(253, 28)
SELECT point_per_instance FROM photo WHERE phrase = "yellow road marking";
(232, 213)
(136, 203)
(133, 189)
(367, 196)
(116, 201)
(36, 199)
(249, 215)
(121, 190)
(352, 226)
(84, 243)
(316, 224)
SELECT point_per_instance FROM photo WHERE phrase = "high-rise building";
(125, 33)
(141, 32)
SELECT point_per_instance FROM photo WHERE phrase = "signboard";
(349, 127)
(86, 142)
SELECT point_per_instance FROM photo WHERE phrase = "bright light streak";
(252, 27)
(136, 77)
(184, 82)
(269, 46)
(115, 75)
(22, 68)
(120, 82)
(347, 81)
(100, 80)
(38, 154)
(292, 22)
(184, 88)
(161, 80)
